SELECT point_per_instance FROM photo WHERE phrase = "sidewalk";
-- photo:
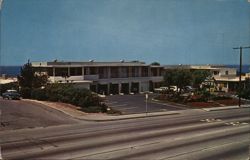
(73, 111)
(226, 108)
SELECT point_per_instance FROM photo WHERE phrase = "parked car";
(11, 94)
(161, 89)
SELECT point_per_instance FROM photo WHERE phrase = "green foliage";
(39, 94)
(26, 76)
(169, 78)
(182, 78)
(178, 77)
(199, 76)
(28, 80)
(25, 92)
(245, 93)
(67, 93)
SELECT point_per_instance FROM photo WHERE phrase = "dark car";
(11, 94)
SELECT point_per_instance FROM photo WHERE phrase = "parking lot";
(130, 104)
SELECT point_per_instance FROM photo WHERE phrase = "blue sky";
(167, 31)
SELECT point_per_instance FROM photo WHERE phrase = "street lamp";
(240, 48)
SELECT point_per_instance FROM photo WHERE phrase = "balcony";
(63, 79)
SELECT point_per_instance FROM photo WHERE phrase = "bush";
(39, 94)
(67, 93)
(25, 92)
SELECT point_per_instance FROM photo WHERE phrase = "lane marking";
(211, 120)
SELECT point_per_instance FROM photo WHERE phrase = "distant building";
(104, 77)
(226, 79)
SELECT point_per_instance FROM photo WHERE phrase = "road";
(192, 134)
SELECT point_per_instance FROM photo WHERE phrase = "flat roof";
(90, 63)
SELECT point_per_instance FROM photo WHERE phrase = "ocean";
(14, 71)
(10, 71)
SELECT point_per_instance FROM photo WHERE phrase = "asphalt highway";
(192, 134)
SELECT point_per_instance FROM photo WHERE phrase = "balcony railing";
(91, 77)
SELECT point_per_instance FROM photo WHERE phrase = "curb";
(225, 108)
(126, 117)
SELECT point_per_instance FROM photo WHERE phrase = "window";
(216, 72)
(226, 73)
(75, 71)
(61, 72)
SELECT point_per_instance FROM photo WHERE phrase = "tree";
(169, 78)
(28, 80)
(199, 76)
(182, 78)
(245, 93)
(177, 77)
(26, 76)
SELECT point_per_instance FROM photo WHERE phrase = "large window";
(61, 72)
(75, 71)
(135, 71)
(114, 72)
(103, 72)
(144, 72)
(123, 72)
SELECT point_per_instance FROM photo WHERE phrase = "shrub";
(25, 92)
(39, 94)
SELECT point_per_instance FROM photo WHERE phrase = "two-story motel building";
(104, 77)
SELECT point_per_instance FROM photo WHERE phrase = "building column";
(119, 88)
(83, 73)
(129, 87)
(108, 90)
(149, 71)
(69, 71)
(139, 87)
(54, 72)
(109, 72)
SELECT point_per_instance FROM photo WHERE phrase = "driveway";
(130, 104)
(18, 114)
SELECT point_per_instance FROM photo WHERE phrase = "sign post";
(146, 97)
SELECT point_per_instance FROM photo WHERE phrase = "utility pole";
(240, 85)
(1, 6)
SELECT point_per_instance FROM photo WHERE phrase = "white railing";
(91, 77)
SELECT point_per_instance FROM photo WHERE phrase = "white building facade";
(103, 77)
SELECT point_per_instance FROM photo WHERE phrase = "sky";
(166, 31)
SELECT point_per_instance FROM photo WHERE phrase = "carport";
(125, 88)
(135, 87)
(113, 88)
(103, 89)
